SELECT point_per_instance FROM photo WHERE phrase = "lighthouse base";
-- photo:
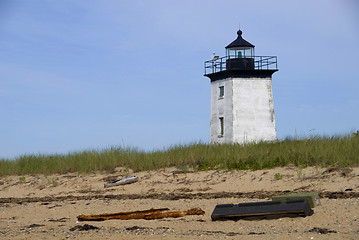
(243, 112)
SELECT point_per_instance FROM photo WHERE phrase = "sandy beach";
(46, 207)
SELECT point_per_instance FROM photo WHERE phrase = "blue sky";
(79, 75)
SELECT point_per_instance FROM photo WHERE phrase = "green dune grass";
(340, 151)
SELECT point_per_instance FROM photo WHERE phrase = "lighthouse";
(242, 108)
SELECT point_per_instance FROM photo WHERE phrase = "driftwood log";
(175, 214)
(122, 181)
(146, 214)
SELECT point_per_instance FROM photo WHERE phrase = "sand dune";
(45, 207)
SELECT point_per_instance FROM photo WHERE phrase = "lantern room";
(240, 48)
(240, 54)
(240, 58)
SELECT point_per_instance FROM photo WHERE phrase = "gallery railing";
(218, 64)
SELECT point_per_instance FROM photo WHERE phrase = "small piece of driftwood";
(122, 181)
(146, 214)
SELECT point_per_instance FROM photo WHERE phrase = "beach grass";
(333, 151)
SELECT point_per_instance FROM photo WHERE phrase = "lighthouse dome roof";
(240, 42)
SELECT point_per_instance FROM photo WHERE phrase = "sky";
(89, 75)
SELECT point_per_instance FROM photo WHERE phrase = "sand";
(46, 207)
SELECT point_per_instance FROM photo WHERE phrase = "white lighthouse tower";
(242, 109)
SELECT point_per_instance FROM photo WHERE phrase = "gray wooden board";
(231, 211)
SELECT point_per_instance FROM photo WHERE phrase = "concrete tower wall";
(246, 109)
(253, 112)
(221, 107)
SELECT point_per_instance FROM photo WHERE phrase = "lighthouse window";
(221, 91)
(221, 127)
